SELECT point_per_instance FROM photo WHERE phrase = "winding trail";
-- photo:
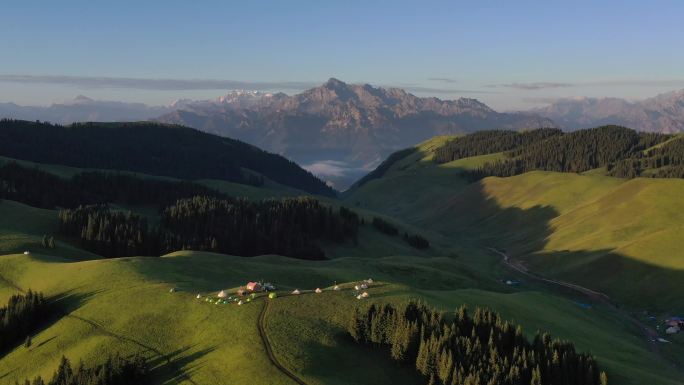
(648, 332)
(267, 345)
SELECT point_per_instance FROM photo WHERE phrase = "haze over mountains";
(341, 131)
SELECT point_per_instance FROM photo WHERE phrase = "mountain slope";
(663, 113)
(351, 123)
(151, 148)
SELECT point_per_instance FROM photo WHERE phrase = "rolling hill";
(152, 148)
(566, 226)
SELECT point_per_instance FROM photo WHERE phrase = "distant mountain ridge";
(83, 109)
(355, 124)
(663, 113)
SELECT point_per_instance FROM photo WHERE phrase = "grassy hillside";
(618, 236)
(124, 305)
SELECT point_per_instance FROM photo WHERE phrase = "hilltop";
(152, 148)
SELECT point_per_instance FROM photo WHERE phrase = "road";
(648, 332)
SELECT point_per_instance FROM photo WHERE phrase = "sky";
(509, 54)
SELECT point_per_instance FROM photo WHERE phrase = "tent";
(359, 296)
(369, 281)
(672, 330)
(364, 294)
(336, 288)
(253, 286)
(357, 288)
(26, 253)
(295, 291)
(318, 290)
(198, 296)
(240, 302)
(363, 286)
(222, 294)
(272, 295)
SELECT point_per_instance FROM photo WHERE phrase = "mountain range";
(663, 113)
(342, 130)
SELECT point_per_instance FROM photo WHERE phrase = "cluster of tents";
(247, 293)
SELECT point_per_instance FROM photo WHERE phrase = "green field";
(567, 226)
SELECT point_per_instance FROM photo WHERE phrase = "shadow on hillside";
(179, 365)
(473, 216)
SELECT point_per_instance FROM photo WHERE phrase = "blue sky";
(510, 54)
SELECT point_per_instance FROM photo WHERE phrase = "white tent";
(369, 281)
(318, 290)
(199, 296)
(357, 288)
(296, 291)
(672, 330)
(26, 253)
(363, 286)
(364, 294)
(336, 288)
(222, 294)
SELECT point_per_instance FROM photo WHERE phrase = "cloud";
(193, 84)
(534, 86)
(153, 84)
(445, 91)
(618, 83)
(443, 80)
(329, 168)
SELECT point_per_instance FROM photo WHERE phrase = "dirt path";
(648, 332)
(269, 349)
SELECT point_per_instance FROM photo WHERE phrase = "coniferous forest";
(151, 148)
(624, 153)
(288, 227)
(42, 189)
(20, 317)
(115, 370)
(470, 350)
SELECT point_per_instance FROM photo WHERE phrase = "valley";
(565, 227)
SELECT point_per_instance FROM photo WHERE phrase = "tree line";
(470, 350)
(288, 227)
(387, 228)
(154, 149)
(666, 161)
(575, 152)
(116, 370)
(20, 317)
(38, 188)
(490, 142)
